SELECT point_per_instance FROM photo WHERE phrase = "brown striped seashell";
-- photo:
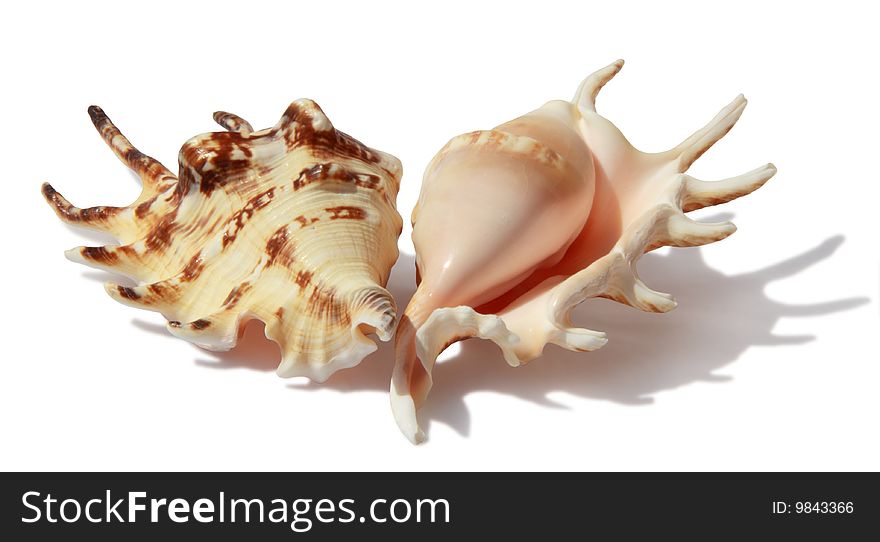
(516, 226)
(294, 225)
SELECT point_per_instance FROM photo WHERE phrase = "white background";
(770, 362)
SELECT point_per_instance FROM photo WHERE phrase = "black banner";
(335, 506)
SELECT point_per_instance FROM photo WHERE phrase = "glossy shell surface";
(517, 225)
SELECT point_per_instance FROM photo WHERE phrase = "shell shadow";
(253, 351)
(646, 353)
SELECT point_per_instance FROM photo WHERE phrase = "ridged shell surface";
(294, 225)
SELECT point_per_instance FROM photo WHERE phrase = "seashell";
(294, 225)
(517, 225)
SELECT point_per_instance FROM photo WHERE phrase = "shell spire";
(637, 202)
(294, 225)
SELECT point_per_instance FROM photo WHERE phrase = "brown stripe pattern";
(255, 225)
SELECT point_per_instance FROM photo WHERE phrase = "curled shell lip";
(638, 204)
(294, 225)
